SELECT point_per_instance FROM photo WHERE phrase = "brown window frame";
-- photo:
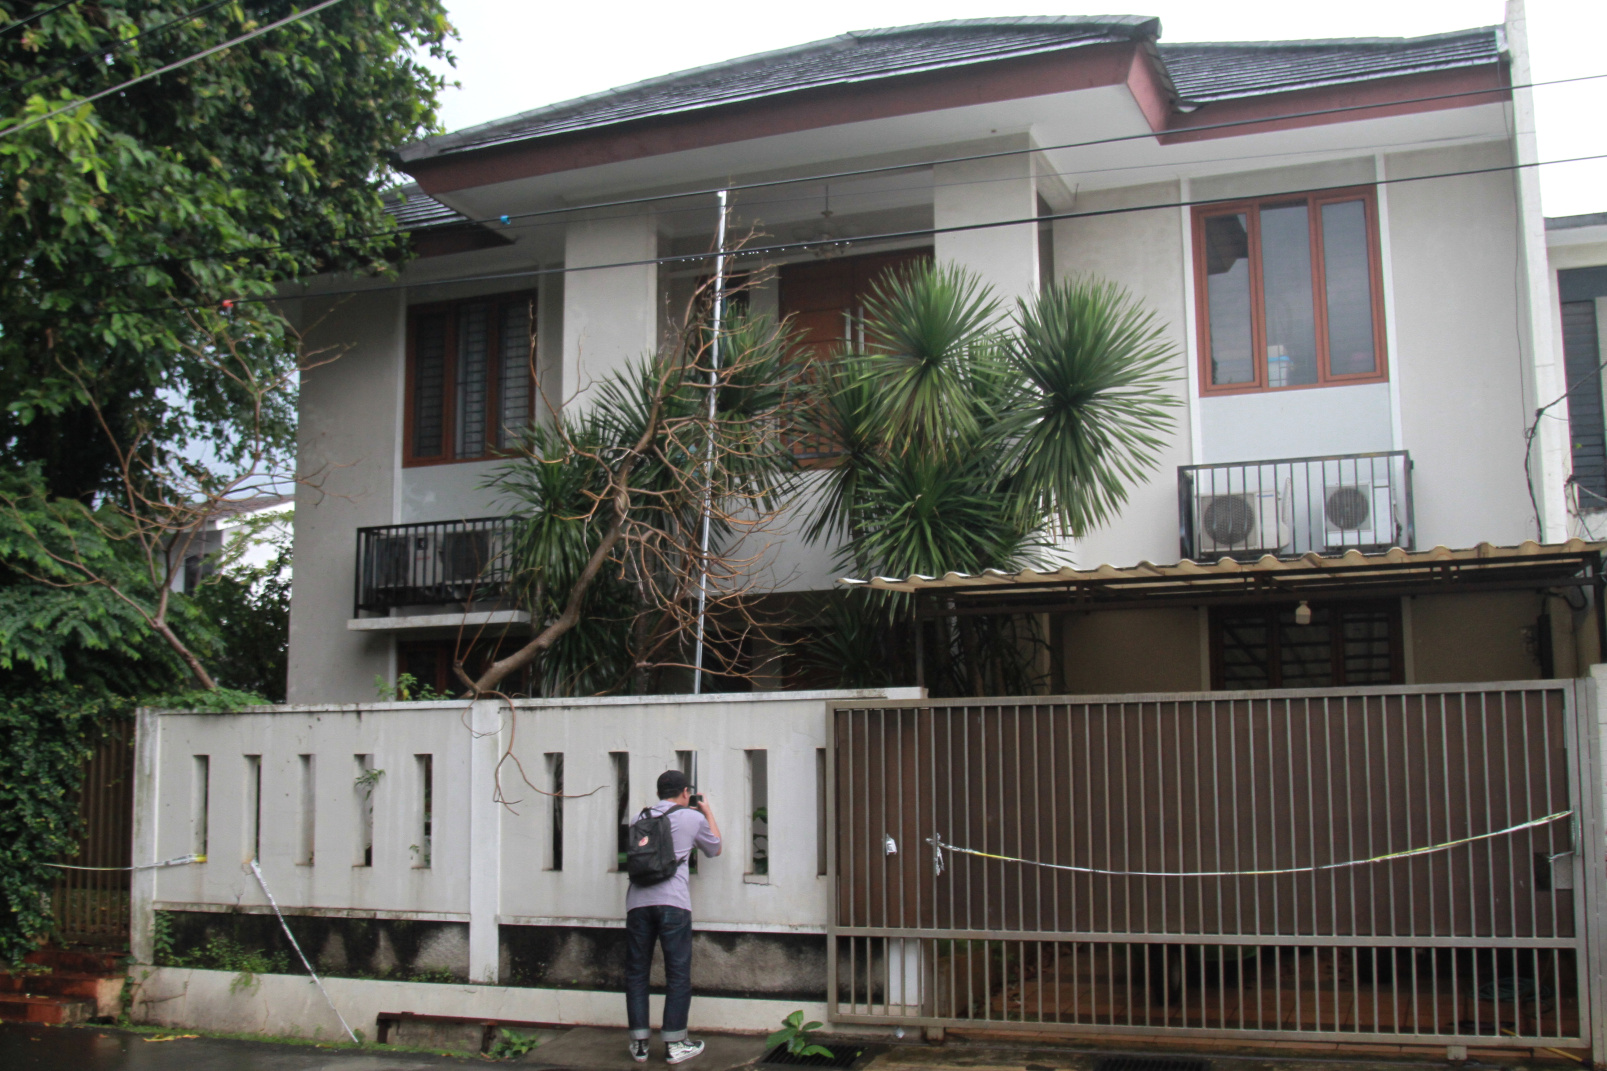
(1271, 614)
(448, 456)
(1252, 207)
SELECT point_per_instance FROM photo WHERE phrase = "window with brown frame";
(825, 300)
(470, 389)
(1289, 292)
(1342, 644)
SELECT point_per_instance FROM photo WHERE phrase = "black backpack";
(651, 858)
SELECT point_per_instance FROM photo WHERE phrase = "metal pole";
(708, 460)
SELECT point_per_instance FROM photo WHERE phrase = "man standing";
(662, 914)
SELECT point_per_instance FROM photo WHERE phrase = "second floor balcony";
(436, 563)
(1292, 506)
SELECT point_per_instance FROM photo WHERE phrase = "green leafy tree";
(143, 378)
(972, 439)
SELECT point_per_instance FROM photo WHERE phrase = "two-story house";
(1343, 238)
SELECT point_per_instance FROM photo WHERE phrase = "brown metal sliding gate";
(1368, 865)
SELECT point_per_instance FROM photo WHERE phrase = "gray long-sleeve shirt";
(691, 832)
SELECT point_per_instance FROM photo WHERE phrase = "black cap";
(671, 783)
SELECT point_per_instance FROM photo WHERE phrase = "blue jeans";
(672, 928)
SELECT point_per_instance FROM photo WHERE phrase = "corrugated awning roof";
(1311, 574)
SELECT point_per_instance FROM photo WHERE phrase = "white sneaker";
(680, 1051)
(639, 1050)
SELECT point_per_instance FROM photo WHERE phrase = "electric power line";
(817, 243)
(1003, 153)
(508, 218)
(175, 65)
(111, 49)
(8, 27)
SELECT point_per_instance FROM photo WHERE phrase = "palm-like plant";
(967, 441)
(637, 468)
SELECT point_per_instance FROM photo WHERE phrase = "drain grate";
(1151, 1063)
(842, 1058)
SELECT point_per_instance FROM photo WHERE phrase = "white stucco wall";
(349, 444)
(489, 863)
(449, 492)
(1458, 272)
(1142, 251)
(987, 191)
(611, 315)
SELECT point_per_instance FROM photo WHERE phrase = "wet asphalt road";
(24, 1047)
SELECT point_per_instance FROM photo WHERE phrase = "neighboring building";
(1578, 253)
(241, 534)
(1335, 232)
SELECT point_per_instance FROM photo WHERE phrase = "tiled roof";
(1209, 71)
(1201, 72)
(861, 56)
(415, 210)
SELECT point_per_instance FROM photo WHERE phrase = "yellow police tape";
(183, 860)
(939, 847)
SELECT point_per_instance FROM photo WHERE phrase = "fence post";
(1592, 736)
(142, 883)
(485, 840)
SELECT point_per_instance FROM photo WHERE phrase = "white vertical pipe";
(708, 461)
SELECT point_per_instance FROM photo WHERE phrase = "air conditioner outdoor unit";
(1359, 515)
(1244, 522)
(398, 561)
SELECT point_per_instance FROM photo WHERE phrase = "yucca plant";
(970, 440)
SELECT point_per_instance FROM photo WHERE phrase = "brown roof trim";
(461, 238)
(1011, 79)
(1383, 94)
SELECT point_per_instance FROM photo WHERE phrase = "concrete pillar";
(610, 314)
(142, 883)
(485, 840)
(988, 191)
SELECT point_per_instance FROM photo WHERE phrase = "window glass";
(1227, 280)
(472, 381)
(1245, 646)
(1265, 647)
(1305, 652)
(429, 385)
(517, 374)
(1349, 278)
(1286, 275)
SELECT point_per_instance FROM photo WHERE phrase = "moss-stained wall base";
(354, 948)
(787, 966)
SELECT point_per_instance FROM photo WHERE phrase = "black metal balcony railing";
(1292, 506)
(437, 562)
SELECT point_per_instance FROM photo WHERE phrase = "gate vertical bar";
(1584, 702)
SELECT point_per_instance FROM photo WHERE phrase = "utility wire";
(112, 48)
(1004, 153)
(750, 206)
(8, 27)
(175, 65)
(508, 218)
(817, 243)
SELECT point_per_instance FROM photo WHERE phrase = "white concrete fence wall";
(292, 787)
